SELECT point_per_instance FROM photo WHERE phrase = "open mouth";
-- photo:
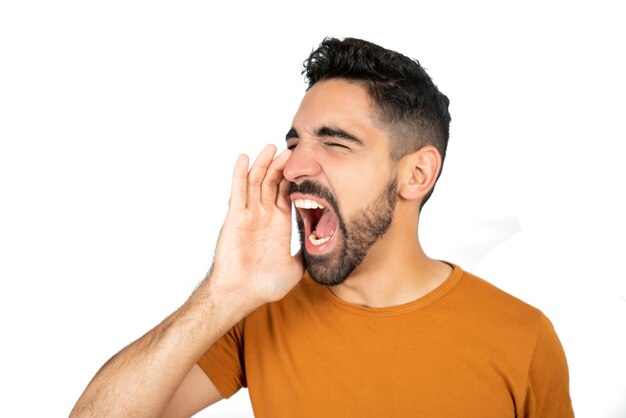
(320, 222)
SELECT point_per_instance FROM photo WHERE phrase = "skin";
(157, 375)
(396, 269)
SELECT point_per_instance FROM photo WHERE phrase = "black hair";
(409, 104)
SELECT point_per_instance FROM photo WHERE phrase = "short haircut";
(410, 106)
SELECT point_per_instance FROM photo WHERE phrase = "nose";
(302, 163)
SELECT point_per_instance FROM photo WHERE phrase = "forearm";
(253, 266)
(140, 380)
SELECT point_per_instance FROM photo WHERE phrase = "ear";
(417, 173)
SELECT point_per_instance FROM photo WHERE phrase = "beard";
(358, 235)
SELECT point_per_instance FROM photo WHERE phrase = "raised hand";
(253, 260)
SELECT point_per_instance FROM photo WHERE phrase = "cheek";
(356, 188)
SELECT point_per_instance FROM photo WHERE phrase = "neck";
(395, 271)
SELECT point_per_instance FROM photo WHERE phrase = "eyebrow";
(328, 131)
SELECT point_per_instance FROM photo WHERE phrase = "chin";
(329, 269)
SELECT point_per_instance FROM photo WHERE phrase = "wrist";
(226, 305)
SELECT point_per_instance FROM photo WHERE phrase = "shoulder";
(491, 314)
(488, 299)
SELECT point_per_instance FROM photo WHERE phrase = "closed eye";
(336, 144)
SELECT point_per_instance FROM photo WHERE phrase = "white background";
(120, 122)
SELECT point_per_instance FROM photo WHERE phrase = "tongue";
(326, 225)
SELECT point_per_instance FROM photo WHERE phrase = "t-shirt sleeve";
(548, 377)
(223, 362)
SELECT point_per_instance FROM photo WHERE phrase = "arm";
(195, 393)
(252, 266)
(548, 377)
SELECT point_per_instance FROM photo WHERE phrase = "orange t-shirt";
(467, 349)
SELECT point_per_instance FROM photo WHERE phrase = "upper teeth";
(307, 204)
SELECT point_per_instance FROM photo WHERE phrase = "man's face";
(343, 185)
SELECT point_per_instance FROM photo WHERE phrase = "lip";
(326, 247)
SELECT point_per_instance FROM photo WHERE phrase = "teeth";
(316, 241)
(307, 204)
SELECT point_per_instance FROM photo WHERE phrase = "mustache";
(315, 189)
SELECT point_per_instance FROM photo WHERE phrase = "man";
(359, 323)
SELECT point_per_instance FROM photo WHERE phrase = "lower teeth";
(315, 241)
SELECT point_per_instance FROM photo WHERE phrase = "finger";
(282, 199)
(239, 186)
(273, 177)
(257, 173)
